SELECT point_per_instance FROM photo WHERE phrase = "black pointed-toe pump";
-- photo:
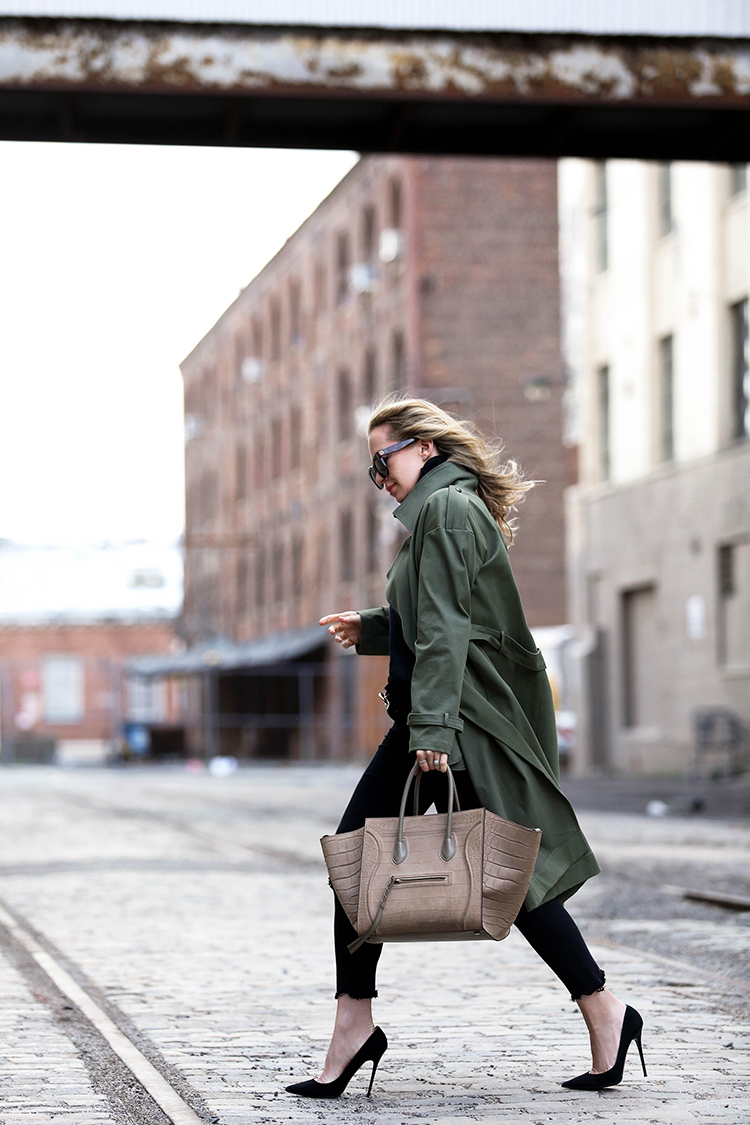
(632, 1027)
(370, 1051)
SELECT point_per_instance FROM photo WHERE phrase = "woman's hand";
(346, 628)
(429, 760)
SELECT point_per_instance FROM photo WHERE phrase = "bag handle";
(456, 803)
(448, 846)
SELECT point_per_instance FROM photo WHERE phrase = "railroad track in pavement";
(138, 1082)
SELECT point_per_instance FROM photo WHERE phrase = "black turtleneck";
(401, 658)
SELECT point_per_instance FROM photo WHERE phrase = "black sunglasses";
(379, 466)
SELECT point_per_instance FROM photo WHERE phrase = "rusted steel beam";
(86, 55)
(495, 94)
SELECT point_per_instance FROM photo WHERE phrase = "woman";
(466, 688)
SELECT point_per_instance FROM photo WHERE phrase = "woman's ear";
(426, 450)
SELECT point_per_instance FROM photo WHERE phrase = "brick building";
(434, 276)
(70, 621)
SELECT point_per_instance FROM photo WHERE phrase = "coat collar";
(440, 477)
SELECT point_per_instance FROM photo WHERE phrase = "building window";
(603, 420)
(297, 559)
(664, 202)
(348, 693)
(373, 537)
(277, 449)
(62, 688)
(258, 340)
(323, 570)
(322, 431)
(319, 284)
(368, 234)
(666, 399)
(737, 178)
(146, 700)
(251, 369)
(369, 377)
(259, 460)
(363, 275)
(397, 360)
(601, 236)
(346, 408)
(242, 587)
(204, 402)
(395, 204)
(208, 496)
(295, 314)
(727, 582)
(207, 597)
(275, 331)
(241, 472)
(346, 547)
(295, 442)
(239, 357)
(734, 604)
(342, 268)
(318, 290)
(278, 573)
(260, 578)
(740, 372)
(641, 691)
(391, 237)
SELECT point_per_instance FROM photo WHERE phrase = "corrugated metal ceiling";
(597, 17)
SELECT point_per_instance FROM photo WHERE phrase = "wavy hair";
(501, 485)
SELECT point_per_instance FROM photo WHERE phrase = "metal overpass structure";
(497, 77)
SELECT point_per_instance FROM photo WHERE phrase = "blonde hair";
(501, 485)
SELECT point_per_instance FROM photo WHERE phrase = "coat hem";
(564, 871)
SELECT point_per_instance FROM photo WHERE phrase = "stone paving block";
(63, 1088)
(226, 968)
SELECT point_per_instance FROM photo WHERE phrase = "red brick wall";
(104, 648)
(489, 315)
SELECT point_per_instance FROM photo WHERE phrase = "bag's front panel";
(430, 895)
(343, 856)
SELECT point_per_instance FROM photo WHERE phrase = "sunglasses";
(379, 466)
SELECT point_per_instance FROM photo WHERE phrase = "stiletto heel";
(372, 1076)
(632, 1028)
(371, 1051)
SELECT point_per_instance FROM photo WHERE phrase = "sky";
(114, 262)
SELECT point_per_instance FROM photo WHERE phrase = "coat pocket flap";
(528, 658)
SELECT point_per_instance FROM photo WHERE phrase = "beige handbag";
(453, 876)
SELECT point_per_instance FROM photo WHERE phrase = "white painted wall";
(681, 284)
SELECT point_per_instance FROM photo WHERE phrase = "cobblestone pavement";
(195, 911)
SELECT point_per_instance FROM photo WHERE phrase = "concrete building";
(656, 268)
(70, 620)
(436, 276)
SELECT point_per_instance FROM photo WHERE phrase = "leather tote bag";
(447, 877)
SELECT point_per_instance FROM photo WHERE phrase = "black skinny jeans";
(549, 929)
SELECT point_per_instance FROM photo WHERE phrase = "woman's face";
(404, 466)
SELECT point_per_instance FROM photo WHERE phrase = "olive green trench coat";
(479, 690)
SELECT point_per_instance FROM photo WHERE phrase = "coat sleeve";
(447, 568)
(375, 629)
